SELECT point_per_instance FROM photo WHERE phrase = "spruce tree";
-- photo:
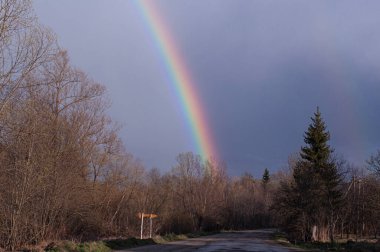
(316, 152)
(318, 178)
(316, 182)
(266, 177)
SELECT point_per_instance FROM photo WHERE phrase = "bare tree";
(374, 163)
(24, 47)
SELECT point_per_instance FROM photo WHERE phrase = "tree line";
(65, 174)
(322, 198)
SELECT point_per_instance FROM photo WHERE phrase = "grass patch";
(99, 246)
(349, 246)
(69, 246)
(280, 237)
(119, 244)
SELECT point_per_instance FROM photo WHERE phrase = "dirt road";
(255, 240)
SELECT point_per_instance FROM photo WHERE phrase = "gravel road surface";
(254, 240)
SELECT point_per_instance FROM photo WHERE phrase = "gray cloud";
(261, 68)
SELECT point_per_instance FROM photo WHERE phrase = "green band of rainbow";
(180, 79)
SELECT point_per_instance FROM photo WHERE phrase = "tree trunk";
(314, 236)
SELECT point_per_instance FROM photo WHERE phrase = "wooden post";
(150, 227)
(150, 216)
(142, 225)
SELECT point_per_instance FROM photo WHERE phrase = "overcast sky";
(261, 68)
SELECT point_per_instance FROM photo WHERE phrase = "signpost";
(150, 216)
(142, 226)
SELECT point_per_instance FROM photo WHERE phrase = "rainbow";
(180, 79)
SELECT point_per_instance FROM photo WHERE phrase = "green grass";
(69, 246)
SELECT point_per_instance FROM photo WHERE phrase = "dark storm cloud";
(264, 66)
(261, 68)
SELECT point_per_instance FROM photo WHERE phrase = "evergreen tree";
(311, 200)
(266, 176)
(319, 180)
(317, 152)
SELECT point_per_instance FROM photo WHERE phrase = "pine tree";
(316, 152)
(266, 177)
(318, 178)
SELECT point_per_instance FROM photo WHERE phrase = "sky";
(261, 68)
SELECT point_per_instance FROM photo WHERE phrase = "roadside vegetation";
(113, 244)
(324, 199)
(66, 176)
(350, 245)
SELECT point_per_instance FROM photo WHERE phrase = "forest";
(65, 173)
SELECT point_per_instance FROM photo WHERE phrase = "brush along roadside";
(115, 244)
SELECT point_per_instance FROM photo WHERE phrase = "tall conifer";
(266, 176)
(319, 178)
(317, 151)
